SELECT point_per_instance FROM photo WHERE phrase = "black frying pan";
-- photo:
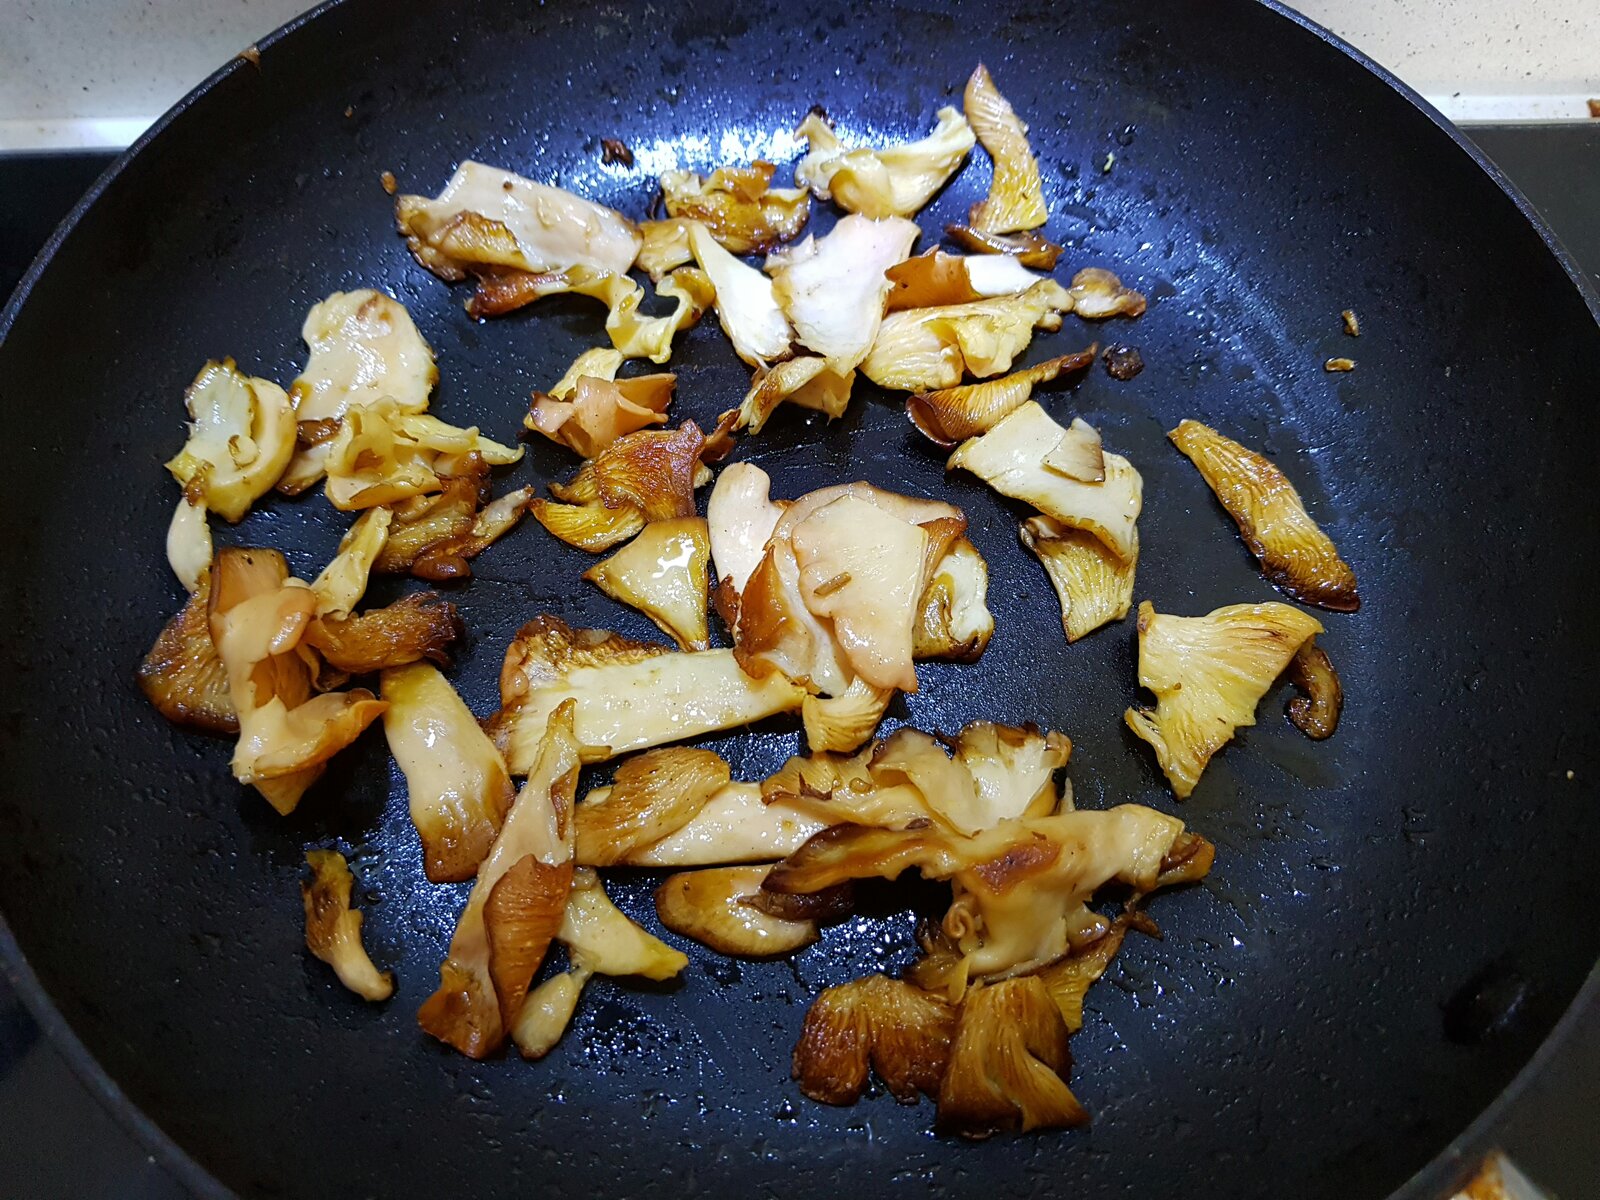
(1397, 918)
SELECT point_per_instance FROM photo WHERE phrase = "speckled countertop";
(96, 72)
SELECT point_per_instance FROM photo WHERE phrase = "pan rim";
(1452, 1163)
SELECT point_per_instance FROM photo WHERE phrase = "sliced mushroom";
(1316, 712)
(843, 722)
(746, 305)
(893, 182)
(714, 907)
(740, 517)
(900, 1031)
(1093, 585)
(183, 676)
(189, 543)
(953, 617)
(937, 278)
(344, 580)
(415, 627)
(738, 206)
(333, 928)
(951, 415)
(381, 455)
(653, 795)
(1208, 674)
(596, 931)
(663, 573)
(363, 347)
(595, 412)
(1016, 197)
(1097, 294)
(736, 825)
(1029, 249)
(806, 381)
(241, 437)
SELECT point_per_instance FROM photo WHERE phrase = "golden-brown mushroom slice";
(630, 695)
(415, 627)
(1295, 554)
(843, 722)
(832, 289)
(1093, 585)
(189, 547)
(951, 415)
(1016, 197)
(382, 454)
(1208, 674)
(1010, 458)
(258, 616)
(1068, 979)
(183, 676)
(715, 907)
(649, 475)
(899, 1031)
(241, 437)
(653, 794)
(362, 347)
(589, 410)
(746, 305)
(893, 182)
(736, 825)
(596, 930)
(1097, 294)
(1021, 886)
(1029, 249)
(664, 573)
(548, 1010)
(333, 928)
(456, 781)
(738, 206)
(1008, 1064)
(806, 381)
(953, 617)
(516, 907)
(1316, 712)
(666, 247)
(344, 580)
(1079, 454)
(936, 278)
(923, 349)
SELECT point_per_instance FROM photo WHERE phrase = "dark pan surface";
(1289, 1035)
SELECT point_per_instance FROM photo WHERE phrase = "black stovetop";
(61, 1143)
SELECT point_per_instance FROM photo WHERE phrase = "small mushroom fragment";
(629, 695)
(953, 617)
(663, 573)
(1008, 1064)
(1016, 198)
(654, 794)
(1094, 586)
(832, 289)
(381, 455)
(1295, 554)
(737, 824)
(649, 475)
(415, 627)
(333, 928)
(922, 349)
(183, 676)
(457, 782)
(666, 247)
(286, 735)
(715, 907)
(1097, 294)
(738, 206)
(1029, 249)
(189, 543)
(843, 722)
(516, 908)
(900, 1031)
(594, 411)
(746, 304)
(1208, 674)
(1010, 458)
(1316, 713)
(937, 278)
(433, 536)
(241, 437)
(951, 415)
(547, 1012)
(344, 580)
(1079, 454)
(893, 182)
(363, 347)
(806, 381)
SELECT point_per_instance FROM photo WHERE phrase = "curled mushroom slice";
(189, 543)
(843, 722)
(364, 347)
(433, 536)
(1208, 674)
(666, 247)
(257, 617)
(241, 437)
(923, 349)
(596, 931)
(381, 455)
(805, 380)
(901, 1032)
(183, 676)
(832, 289)
(1029, 249)
(516, 907)
(1079, 454)
(1016, 197)
(629, 695)
(740, 517)
(1097, 294)
(595, 412)
(1021, 886)
(1010, 458)
(714, 907)
(738, 206)
(951, 415)
(953, 617)
(1093, 585)
(1008, 1063)
(1295, 554)
(333, 928)
(1068, 979)
(1316, 712)
(487, 217)
(344, 580)
(415, 627)
(547, 1012)
(456, 781)
(663, 573)
(654, 794)
(893, 182)
(936, 278)
(746, 305)
(649, 475)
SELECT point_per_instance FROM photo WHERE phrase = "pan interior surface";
(1293, 1034)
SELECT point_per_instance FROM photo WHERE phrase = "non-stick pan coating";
(1289, 1035)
